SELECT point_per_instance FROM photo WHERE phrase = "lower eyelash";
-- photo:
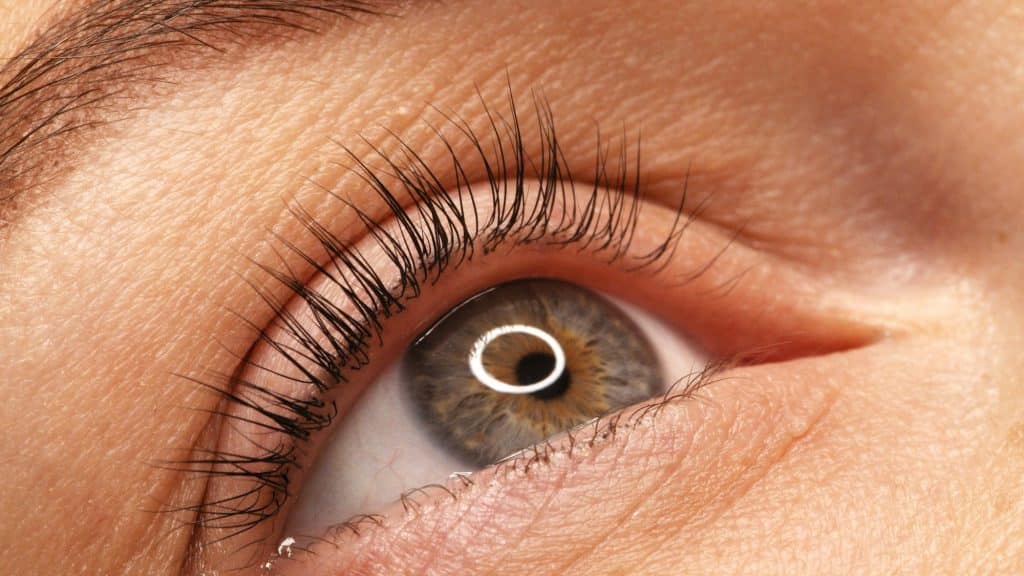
(585, 436)
(446, 231)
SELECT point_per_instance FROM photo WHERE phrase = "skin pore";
(865, 162)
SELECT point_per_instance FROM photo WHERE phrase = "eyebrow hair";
(92, 61)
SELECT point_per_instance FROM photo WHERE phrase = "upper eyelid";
(64, 81)
(426, 209)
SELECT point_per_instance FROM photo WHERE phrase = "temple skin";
(871, 156)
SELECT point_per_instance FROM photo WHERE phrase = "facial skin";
(870, 156)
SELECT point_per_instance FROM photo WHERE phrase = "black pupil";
(536, 366)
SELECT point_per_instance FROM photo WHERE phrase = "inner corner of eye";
(501, 371)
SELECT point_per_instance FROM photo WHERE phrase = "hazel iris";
(518, 330)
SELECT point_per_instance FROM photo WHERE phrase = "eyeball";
(502, 371)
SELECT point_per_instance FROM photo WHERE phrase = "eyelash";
(446, 233)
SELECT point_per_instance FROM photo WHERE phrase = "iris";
(514, 334)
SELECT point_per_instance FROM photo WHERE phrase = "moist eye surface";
(608, 364)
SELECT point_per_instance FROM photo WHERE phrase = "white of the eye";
(476, 359)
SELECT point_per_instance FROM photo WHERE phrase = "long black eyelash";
(443, 230)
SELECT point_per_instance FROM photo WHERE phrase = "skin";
(867, 161)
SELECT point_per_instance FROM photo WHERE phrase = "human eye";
(504, 371)
(494, 309)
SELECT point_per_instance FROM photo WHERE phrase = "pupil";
(535, 367)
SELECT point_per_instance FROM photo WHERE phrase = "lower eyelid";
(705, 449)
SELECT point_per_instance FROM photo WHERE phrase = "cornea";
(476, 362)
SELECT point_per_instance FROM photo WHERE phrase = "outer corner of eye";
(504, 370)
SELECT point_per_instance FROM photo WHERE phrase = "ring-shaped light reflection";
(476, 359)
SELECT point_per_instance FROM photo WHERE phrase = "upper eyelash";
(448, 234)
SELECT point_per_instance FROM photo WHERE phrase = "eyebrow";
(85, 68)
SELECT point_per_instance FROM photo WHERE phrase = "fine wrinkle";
(90, 63)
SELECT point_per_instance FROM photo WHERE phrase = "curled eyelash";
(442, 230)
